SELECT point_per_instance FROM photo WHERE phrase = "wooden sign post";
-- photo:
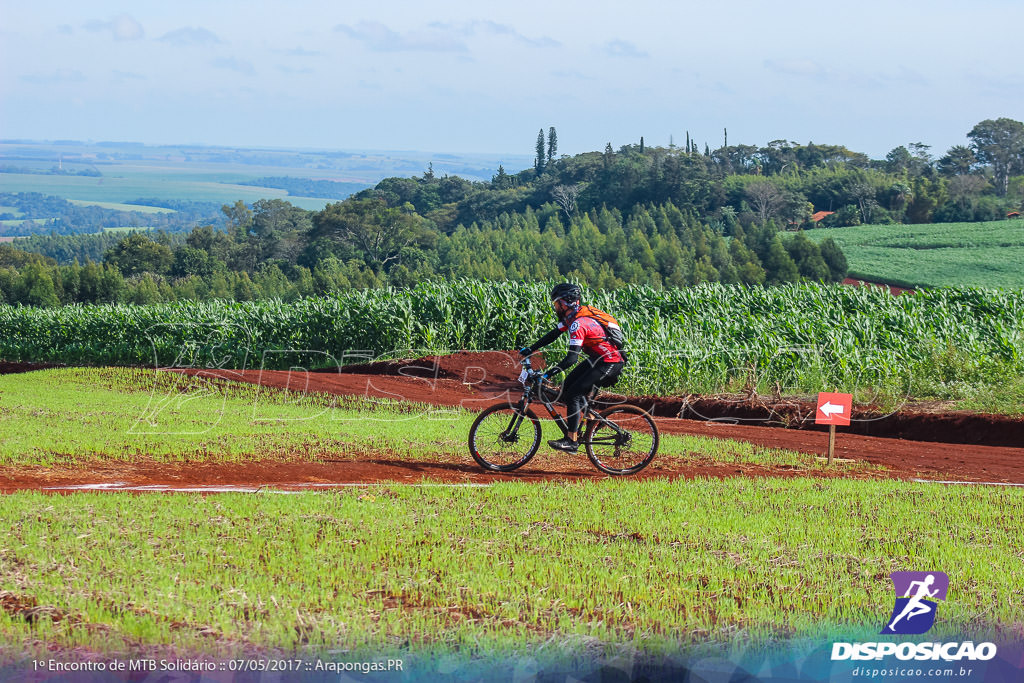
(833, 409)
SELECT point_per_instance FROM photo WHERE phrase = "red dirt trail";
(892, 289)
(995, 452)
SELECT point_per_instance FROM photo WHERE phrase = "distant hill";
(122, 173)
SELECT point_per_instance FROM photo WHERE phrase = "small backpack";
(612, 331)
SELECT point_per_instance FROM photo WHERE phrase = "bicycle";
(620, 440)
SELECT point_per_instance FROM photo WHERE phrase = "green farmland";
(936, 255)
(135, 184)
(122, 207)
(212, 174)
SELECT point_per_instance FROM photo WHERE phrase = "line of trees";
(274, 249)
(54, 170)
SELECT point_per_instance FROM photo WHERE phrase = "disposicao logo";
(916, 592)
(912, 614)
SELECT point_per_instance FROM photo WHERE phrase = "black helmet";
(567, 292)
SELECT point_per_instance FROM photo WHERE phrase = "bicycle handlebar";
(532, 376)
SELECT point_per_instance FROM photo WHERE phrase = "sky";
(471, 76)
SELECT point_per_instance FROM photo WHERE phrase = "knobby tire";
(497, 449)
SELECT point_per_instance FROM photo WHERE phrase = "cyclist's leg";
(578, 385)
(602, 375)
(574, 391)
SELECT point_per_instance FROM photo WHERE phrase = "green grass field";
(936, 255)
(654, 566)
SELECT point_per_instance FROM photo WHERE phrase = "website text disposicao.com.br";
(907, 672)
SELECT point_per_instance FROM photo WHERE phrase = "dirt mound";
(476, 380)
(13, 367)
(464, 366)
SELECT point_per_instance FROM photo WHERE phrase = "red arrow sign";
(833, 409)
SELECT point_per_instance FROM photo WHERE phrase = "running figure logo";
(914, 612)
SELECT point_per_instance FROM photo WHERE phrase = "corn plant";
(705, 338)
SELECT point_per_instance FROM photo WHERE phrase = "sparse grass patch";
(128, 413)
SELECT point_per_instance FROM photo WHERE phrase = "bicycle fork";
(511, 433)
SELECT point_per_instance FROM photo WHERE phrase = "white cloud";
(622, 48)
(293, 70)
(55, 77)
(378, 37)
(191, 35)
(894, 77)
(797, 67)
(573, 75)
(121, 27)
(237, 65)
(121, 76)
(493, 28)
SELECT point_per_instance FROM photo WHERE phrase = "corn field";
(706, 338)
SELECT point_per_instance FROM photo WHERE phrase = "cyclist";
(603, 363)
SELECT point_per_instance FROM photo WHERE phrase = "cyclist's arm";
(576, 336)
(571, 358)
(545, 340)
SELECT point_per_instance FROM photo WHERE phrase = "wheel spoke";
(624, 441)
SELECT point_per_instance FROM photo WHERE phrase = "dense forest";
(663, 216)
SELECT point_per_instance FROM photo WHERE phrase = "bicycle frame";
(536, 387)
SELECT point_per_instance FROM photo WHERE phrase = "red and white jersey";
(586, 334)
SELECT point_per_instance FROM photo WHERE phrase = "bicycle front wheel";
(503, 438)
(623, 440)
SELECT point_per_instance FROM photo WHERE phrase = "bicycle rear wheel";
(503, 438)
(623, 441)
